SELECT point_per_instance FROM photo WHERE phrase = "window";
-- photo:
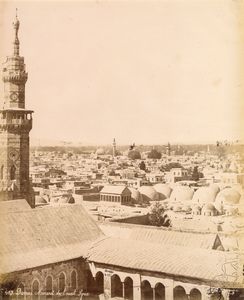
(61, 282)
(35, 287)
(12, 173)
(1, 172)
(73, 280)
(49, 284)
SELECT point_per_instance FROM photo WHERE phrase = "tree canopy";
(134, 154)
(154, 154)
(157, 216)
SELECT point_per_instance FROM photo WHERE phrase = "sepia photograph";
(122, 150)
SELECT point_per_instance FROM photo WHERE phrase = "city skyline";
(141, 72)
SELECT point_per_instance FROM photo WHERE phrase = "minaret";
(168, 149)
(15, 125)
(114, 148)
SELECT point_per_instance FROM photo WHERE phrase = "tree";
(134, 154)
(154, 154)
(195, 174)
(142, 165)
(157, 216)
(112, 173)
(170, 166)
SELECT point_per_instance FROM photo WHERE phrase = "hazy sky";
(143, 72)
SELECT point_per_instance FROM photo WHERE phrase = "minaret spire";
(15, 125)
(16, 39)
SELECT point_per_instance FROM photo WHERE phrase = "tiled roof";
(42, 236)
(206, 265)
(172, 237)
(159, 235)
(14, 206)
(114, 189)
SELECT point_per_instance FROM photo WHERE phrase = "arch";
(195, 294)
(49, 284)
(180, 293)
(128, 288)
(1, 172)
(61, 282)
(146, 290)
(90, 282)
(35, 287)
(159, 291)
(99, 278)
(12, 172)
(73, 280)
(116, 286)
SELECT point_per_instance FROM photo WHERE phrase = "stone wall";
(35, 280)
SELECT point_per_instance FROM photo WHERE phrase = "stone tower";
(15, 125)
(114, 148)
(168, 149)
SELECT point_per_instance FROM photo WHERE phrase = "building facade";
(115, 195)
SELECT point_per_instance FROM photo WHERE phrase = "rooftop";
(36, 237)
(219, 266)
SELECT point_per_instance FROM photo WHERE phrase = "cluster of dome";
(147, 193)
(44, 200)
(208, 201)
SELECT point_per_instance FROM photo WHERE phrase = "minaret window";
(1, 172)
(12, 172)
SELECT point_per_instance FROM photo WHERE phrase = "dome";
(204, 195)
(209, 209)
(231, 211)
(181, 194)
(214, 187)
(100, 151)
(148, 193)
(66, 199)
(228, 196)
(196, 210)
(40, 200)
(163, 190)
(135, 195)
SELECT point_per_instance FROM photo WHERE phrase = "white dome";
(209, 209)
(231, 211)
(181, 194)
(228, 196)
(148, 193)
(214, 187)
(100, 151)
(204, 195)
(196, 209)
(164, 190)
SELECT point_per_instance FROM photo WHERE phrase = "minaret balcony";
(16, 124)
(15, 76)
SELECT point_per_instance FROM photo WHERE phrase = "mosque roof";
(149, 192)
(181, 193)
(161, 235)
(37, 237)
(209, 207)
(114, 189)
(228, 196)
(169, 259)
(163, 189)
(204, 195)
